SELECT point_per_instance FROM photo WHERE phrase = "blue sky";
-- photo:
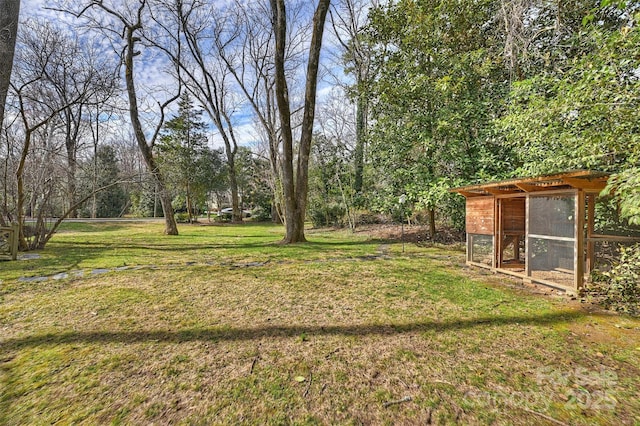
(154, 83)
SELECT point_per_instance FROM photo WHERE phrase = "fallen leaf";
(299, 379)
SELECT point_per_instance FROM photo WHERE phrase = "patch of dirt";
(417, 234)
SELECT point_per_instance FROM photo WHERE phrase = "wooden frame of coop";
(540, 229)
(9, 242)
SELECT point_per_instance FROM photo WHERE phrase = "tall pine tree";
(183, 150)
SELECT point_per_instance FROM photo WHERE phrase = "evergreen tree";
(190, 166)
(113, 200)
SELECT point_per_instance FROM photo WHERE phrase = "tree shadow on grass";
(276, 331)
(9, 347)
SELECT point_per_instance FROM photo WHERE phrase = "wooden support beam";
(591, 245)
(578, 258)
(496, 191)
(527, 188)
(594, 185)
(527, 244)
(468, 194)
(536, 188)
(498, 234)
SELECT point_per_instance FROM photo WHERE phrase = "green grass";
(85, 246)
(199, 334)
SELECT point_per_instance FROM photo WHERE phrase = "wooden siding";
(480, 215)
(513, 215)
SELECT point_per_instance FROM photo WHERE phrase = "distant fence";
(9, 242)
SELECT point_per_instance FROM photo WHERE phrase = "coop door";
(511, 234)
(480, 226)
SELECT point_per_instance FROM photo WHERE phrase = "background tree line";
(417, 96)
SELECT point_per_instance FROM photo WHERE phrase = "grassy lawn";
(221, 325)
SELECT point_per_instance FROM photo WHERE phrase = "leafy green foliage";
(144, 199)
(620, 286)
(438, 90)
(331, 176)
(191, 167)
(584, 117)
(625, 188)
(113, 200)
(476, 91)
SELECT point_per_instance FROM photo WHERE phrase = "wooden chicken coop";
(540, 228)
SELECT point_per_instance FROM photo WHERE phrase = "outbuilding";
(541, 228)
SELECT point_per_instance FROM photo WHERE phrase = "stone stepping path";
(381, 254)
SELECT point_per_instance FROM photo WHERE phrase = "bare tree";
(71, 62)
(39, 103)
(513, 15)
(186, 34)
(337, 129)
(131, 17)
(248, 53)
(295, 183)
(9, 13)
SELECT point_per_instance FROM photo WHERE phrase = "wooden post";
(578, 258)
(527, 240)
(591, 252)
(13, 241)
(497, 233)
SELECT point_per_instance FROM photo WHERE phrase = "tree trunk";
(70, 145)
(22, 239)
(71, 186)
(275, 214)
(171, 228)
(5, 216)
(282, 100)
(236, 216)
(295, 187)
(9, 13)
(188, 203)
(361, 127)
(432, 222)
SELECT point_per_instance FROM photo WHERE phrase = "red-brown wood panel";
(480, 218)
(513, 215)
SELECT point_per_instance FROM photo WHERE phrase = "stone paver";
(381, 254)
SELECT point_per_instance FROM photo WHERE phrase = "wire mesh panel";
(551, 242)
(481, 247)
(554, 216)
(552, 260)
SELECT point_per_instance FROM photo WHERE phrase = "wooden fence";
(9, 242)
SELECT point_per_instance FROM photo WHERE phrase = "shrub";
(260, 214)
(620, 287)
(182, 217)
(364, 217)
(331, 214)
